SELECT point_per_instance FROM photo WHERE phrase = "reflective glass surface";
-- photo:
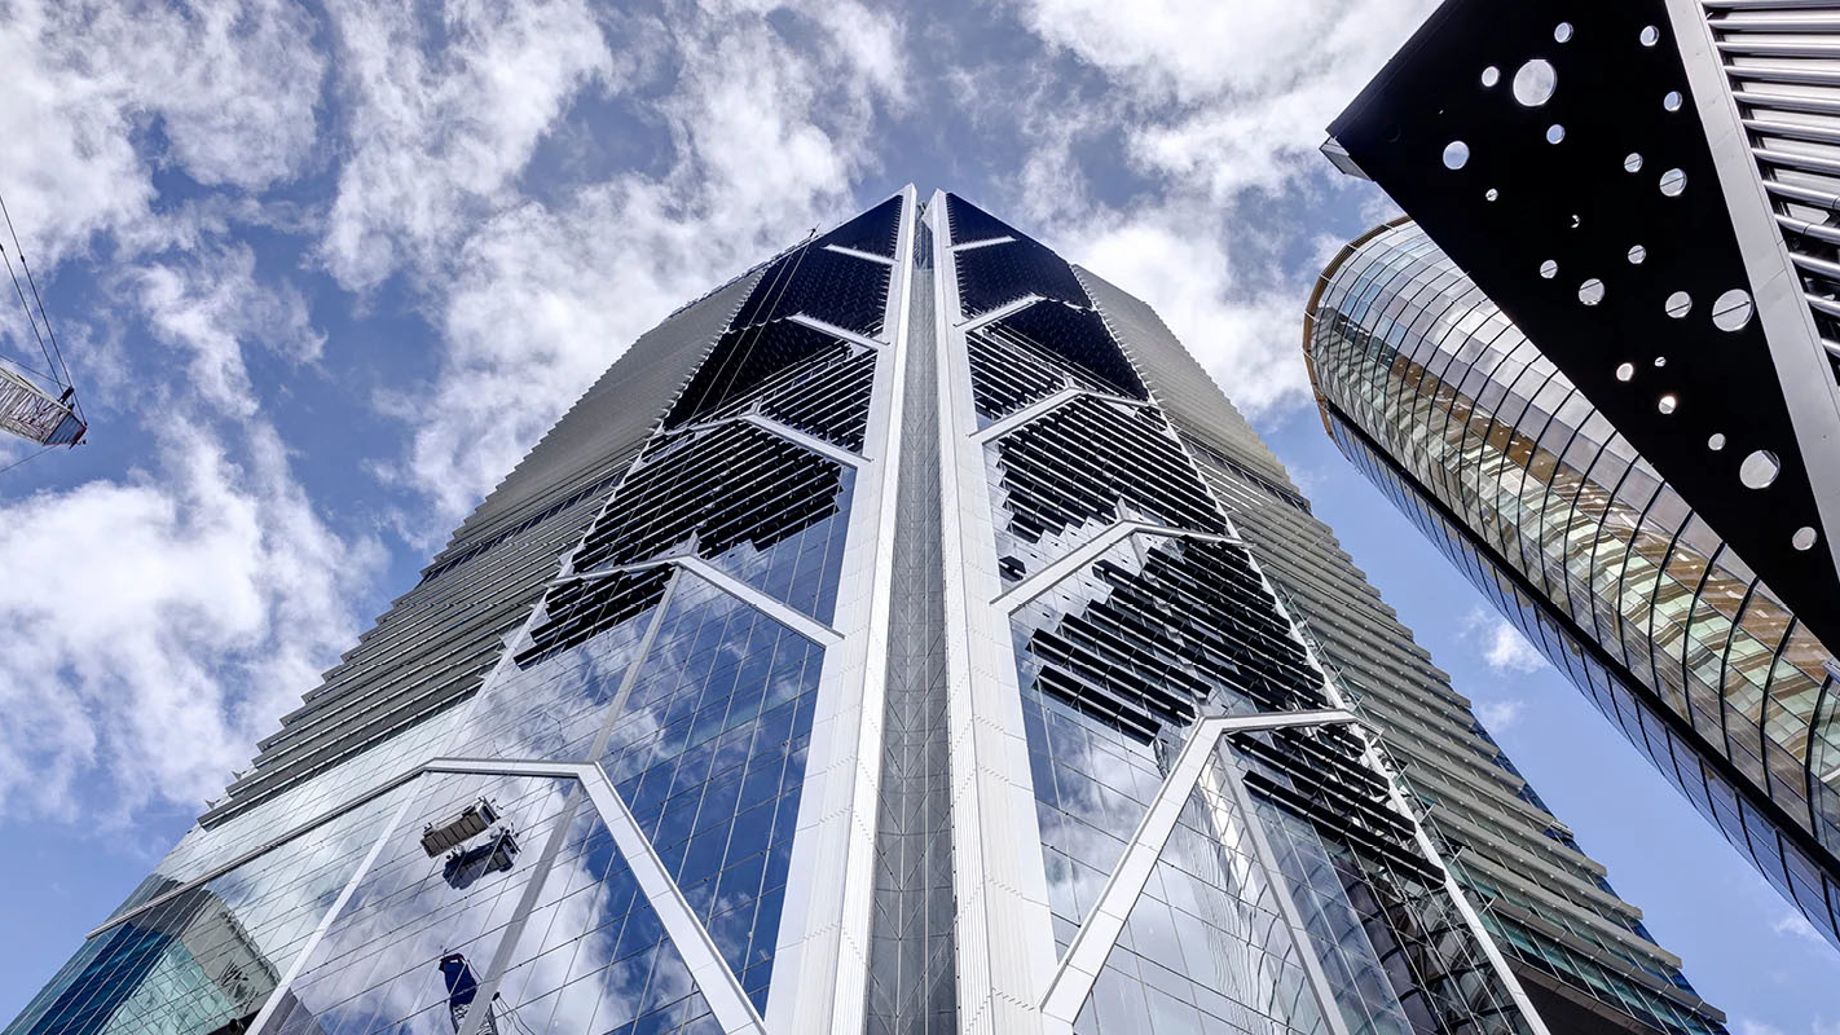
(1440, 400)
(1121, 655)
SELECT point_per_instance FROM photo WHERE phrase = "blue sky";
(325, 270)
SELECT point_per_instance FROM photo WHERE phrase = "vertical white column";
(821, 961)
(1005, 937)
(1802, 368)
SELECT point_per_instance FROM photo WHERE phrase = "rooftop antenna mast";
(38, 405)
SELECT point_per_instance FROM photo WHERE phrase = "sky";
(323, 272)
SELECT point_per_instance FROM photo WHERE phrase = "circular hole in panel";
(1804, 538)
(1673, 182)
(1535, 82)
(1637, 254)
(1591, 291)
(1633, 162)
(1672, 101)
(1678, 304)
(1625, 371)
(1456, 154)
(1491, 75)
(1732, 310)
(1491, 194)
(1667, 404)
(1716, 442)
(1555, 133)
(1661, 361)
(1562, 32)
(1549, 269)
(1650, 36)
(1759, 469)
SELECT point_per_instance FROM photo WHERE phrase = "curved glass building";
(1457, 416)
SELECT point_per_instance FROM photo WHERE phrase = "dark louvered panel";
(874, 231)
(844, 290)
(1079, 463)
(602, 604)
(1005, 378)
(970, 223)
(1010, 370)
(1312, 772)
(829, 402)
(1077, 337)
(824, 393)
(1154, 647)
(731, 484)
(745, 361)
(991, 277)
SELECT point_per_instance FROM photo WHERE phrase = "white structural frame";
(821, 962)
(773, 427)
(786, 615)
(1803, 371)
(1086, 956)
(982, 243)
(1004, 934)
(1042, 407)
(720, 988)
(1077, 559)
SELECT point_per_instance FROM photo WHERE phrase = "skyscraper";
(869, 650)
(1580, 951)
(1648, 479)
(1461, 420)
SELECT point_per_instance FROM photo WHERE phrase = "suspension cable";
(30, 456)
(28, 311)
(32, 282)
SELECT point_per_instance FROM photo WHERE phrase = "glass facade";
(1581, 952)
(1459, 418)
(1282, 885)
(866, 651)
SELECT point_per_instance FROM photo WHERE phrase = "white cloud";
(1509, 651)
(1746, 1026)
(442, 117)
(1242, 324)
(231, 87)
(152, 627)
(177, 608)
(1499, 715)
(768, 140)
(1233, 95)
(1221, 108)
(1503, 646)
(153, 622)
(1797, 926)
(211, 304)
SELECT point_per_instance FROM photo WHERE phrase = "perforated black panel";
(1575, 204)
